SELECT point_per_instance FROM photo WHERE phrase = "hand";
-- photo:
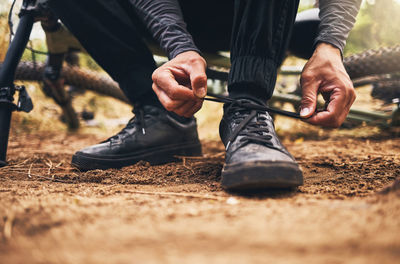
(181, 83)
(324, 73)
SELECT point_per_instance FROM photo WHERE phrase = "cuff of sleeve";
(177, 51)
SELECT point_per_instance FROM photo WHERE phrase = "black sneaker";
(153, 135)
(255, 158)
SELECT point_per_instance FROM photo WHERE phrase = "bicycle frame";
(7, 73)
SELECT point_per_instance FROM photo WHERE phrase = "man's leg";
(107, 32)
(255, 157)
(212, 34)
(260, 37)
(112, 36)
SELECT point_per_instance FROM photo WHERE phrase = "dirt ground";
(348, 210)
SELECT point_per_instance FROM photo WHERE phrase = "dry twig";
(187, 167)
(14, 166)
(7, 230)
(29, 171)
(43, 177)
(187, 195)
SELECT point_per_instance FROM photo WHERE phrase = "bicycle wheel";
(90, 80)
(372, 62)
(386, 90)
(94, 81)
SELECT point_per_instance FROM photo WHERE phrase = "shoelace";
(256, 131)
(250, 106)
(254, 127)
(140, 115)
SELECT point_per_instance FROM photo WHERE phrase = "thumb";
(198, 80)
(309, 100)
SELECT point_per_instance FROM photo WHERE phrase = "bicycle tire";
(87, 79)
(375, 61)
(386, 90)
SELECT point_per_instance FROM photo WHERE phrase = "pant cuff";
(256, 72)
(137, 83)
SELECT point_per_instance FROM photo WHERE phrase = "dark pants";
(257, 33)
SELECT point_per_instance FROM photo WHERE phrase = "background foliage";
(378, 24)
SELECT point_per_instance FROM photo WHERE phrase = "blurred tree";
(4, 33)
(377, 25)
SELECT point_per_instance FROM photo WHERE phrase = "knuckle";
(154, 76)
(307, 99)
(198, 60)
(159, 75)
(196, 110)
(352, 91)
(306, 76)
(197, 63)
(351, 94)
(169, 106)
(336, 122)
(194, 60)
(173, 94)
(179, 112)
(202, 77)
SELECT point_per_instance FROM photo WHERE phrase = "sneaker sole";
(251, 176)
(158, 156)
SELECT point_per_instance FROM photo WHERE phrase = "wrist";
(191, 53)
(328, 50)
(324, 47)
(191, 56)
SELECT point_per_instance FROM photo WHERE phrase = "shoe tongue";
(250, 97)
(147, 109)
(180, 119)
(243, 108)
(252, 100)
(151, 109)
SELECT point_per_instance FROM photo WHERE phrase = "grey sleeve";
(165, 21)
(337, 19)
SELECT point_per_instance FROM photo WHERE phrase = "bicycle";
(365, 68)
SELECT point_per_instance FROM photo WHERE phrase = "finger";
(185, 108)
(190, 108)
(309, 98)
(196, 107)
(165, 81)
(335, 113)
(169, 105)
(343, 88)
(352, 96)
(198, 79)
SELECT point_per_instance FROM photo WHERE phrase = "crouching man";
(165, 98)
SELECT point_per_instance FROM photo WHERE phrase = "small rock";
(232, 201)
